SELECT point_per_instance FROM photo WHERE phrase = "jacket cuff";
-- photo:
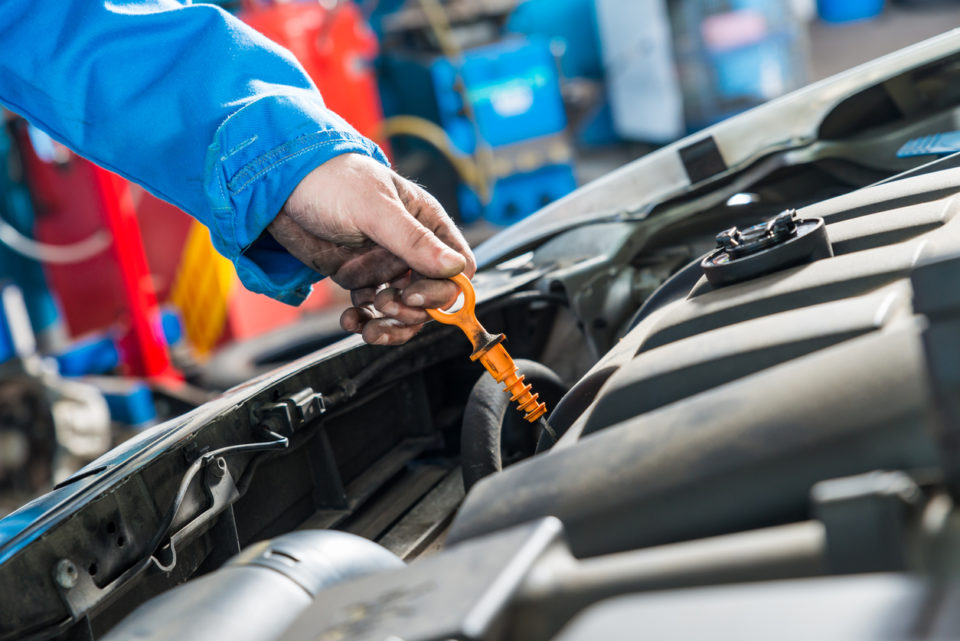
(258, 156)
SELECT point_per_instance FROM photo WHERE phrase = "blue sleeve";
(186, 101)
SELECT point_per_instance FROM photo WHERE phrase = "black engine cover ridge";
(727, 405)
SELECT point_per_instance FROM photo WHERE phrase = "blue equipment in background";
(849, 10)
(733, 55)
(514, 124)
(515, 93)
(16, 212)
(570, 26)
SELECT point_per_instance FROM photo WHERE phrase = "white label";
(512, 101)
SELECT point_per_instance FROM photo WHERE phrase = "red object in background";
(336, 48)
(143, 348)
(73, 200)
(68, 211)
(164, 229)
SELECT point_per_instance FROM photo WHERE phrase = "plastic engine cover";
(722, 406)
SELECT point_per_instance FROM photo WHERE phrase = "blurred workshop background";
(116, 312)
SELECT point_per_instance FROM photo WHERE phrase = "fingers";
(403, 281)
(366, 227)
(354, 318)
(423, 251)
(408, 305)
(370, 268)
(429, 213)
(385, 316)
(416, 229)
(388, 302)
(351, 267)
(377, 330)
(388, 331)
(429, 293)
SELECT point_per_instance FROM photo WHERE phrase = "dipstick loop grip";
(488, 349)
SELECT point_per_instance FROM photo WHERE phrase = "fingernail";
(415, 300)
(383, 340)
(451, 262)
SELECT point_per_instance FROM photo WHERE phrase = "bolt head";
(728, 238)
(786, 221)
(65, 574)
(218, 467)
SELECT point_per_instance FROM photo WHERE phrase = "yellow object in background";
(202, 289)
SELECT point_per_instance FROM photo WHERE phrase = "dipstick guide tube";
(488, 349)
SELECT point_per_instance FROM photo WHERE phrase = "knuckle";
(363, 296)
(371, 334)
(385, 298)
(350, 320)
(421, 238)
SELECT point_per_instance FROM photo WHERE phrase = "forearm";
(183, 99)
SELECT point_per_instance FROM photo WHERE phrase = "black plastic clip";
(292, 412)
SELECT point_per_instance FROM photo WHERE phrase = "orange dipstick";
(489, 350)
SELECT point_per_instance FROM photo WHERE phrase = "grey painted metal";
(885, 607)
(560, 586)
(462, 593)
(258, 594)
(523, 583)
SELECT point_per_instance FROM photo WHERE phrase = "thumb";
(407, 238)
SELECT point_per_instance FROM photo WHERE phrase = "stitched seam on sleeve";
(245, 143)
(224, 200)
(256, 168)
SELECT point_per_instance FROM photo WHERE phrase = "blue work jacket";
(185, 100)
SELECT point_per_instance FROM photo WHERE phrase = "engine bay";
(795, 419)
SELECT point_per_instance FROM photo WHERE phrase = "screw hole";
(120, 541)
(92, 569)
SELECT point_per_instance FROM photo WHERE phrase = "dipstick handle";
(489, 350)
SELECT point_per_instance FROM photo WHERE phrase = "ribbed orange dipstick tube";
(489, 350)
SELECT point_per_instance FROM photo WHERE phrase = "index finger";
(430, 213)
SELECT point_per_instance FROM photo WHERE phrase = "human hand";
(366, 227)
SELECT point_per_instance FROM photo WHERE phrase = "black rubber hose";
(485, 414)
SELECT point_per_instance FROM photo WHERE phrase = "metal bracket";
(221, 490)
(77, 588)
